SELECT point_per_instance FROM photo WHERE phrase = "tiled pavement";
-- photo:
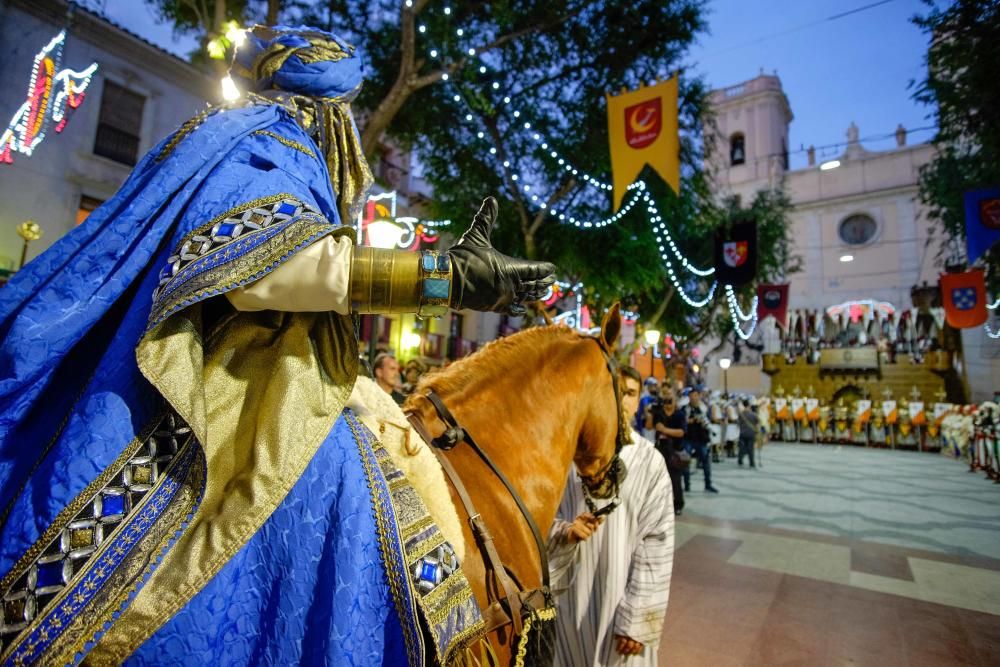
(830, 556)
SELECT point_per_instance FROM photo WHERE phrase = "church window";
(737, 149)
(857, 229)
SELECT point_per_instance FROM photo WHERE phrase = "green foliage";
(555, 60)
(962, 61)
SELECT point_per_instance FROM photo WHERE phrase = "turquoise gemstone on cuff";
(436, 288)
(427, 262)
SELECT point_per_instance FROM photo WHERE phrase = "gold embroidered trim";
(302, 148)
(187, 128)
(417, 527)
(254, 263)
(547, 614)
(438, 616)
(253, 203)
(77, 504)
(154, 545)
(422, 548)
(80, 622)
(392, 566)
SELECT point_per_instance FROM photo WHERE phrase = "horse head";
(606, 429)
(535, 402)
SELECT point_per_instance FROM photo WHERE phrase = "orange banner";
(642, 129)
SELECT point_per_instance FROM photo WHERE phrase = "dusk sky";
(855, 68)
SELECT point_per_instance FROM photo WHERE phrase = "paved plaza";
(834, 555)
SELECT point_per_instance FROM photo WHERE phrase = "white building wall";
(880, 184)
(47, 186)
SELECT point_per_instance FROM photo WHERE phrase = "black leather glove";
(484, 279)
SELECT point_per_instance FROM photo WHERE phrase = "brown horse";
(535, 402)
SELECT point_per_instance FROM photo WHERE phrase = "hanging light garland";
(665, 242)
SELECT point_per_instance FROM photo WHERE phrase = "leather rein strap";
(495, 616)
(510, 591)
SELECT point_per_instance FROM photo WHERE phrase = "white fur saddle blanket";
(411, 454)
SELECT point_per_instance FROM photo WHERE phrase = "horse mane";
(500, 353)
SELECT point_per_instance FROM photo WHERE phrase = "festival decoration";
(772, 301)
(52, 95)
(736, 254)
(737, 315)
(639, 133)
(866, 309)
(381, 208)
(982, 221)
(964, 297)
(642, 129)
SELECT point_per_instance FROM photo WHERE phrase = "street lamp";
(652, 338)
(381, 234)
(724, 364)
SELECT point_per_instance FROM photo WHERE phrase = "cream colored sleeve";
(316, 279)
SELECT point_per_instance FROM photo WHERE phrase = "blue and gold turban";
(316, 74)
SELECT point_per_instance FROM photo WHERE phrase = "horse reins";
(510, 591)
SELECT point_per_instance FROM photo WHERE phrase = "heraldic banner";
(642, 129)
(964, 297)
(982, 221)
(736, 254)
(772, 300)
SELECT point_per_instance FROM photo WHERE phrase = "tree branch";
(662, 308)
(563, 190)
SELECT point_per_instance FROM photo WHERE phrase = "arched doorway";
(851, 393)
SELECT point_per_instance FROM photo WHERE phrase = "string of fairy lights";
(684, 283)
(667, 247)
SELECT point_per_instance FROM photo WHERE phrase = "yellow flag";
(642, 129)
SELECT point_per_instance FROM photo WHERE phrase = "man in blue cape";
(179, 480)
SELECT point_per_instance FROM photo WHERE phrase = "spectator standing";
(698, 435)
(670, 425)
(649, 398)
(749, 426)
(386, 370)
(612, 581)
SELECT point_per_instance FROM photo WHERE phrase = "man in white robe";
(611, 576)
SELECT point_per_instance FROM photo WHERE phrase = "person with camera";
(670, 425)
(699, 435)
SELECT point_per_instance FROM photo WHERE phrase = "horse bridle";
(511, 592)
(613, 471)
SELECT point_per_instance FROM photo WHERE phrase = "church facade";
(857, 223)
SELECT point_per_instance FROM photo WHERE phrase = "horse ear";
(611, 326)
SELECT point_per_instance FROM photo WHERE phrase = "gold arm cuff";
(385, 281)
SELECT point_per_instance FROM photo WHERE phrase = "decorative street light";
(652, 338)
(724, 364)
(29, 230)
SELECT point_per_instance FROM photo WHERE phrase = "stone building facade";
(138, 95)
(857, 223)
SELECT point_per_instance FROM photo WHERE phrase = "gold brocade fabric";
(261, 391)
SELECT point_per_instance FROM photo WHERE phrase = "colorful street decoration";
(964, 297)
(982, 221)
(864, 309)
(413, 231)
(642, 129)
(52, 95)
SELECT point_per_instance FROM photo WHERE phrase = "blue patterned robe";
(178, 484)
